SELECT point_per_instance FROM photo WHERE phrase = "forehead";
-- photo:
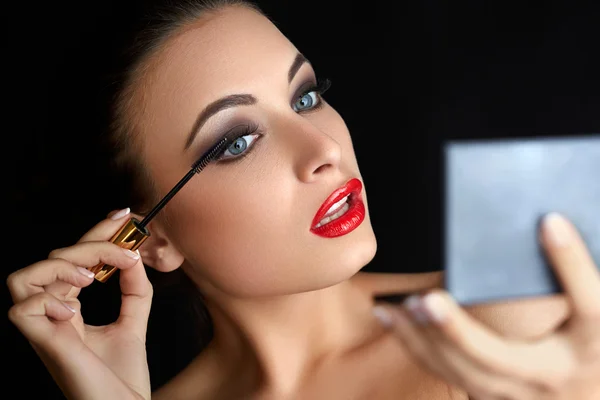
(234, 50)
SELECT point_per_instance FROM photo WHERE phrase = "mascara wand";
(196, 168)
(135, 232)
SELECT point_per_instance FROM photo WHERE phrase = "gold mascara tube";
(130, 236)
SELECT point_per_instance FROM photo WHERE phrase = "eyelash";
(320, 88)
(248, 130)
(253, 129)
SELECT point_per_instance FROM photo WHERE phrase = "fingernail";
(558, 229)
(85, 272)
(132, 254)
(68, 307)
(120, 214)
(434, 306)
(383, 315)
(414, 305)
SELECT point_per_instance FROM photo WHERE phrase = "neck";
(282, 338)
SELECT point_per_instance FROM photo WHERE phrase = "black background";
(406, 77)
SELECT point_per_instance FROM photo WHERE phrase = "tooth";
(338, 214)
(336, 205)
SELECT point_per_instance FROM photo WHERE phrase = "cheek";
(238, 237)
(250, 234)
(255, 240)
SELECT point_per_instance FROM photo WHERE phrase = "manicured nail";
(120, 214)
(68, 307)
(383, 315)
(434, 306)
(558, 229)
(85, 272)
(132, 254)
(414, 305)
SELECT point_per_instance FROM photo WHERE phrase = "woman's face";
(246, 223)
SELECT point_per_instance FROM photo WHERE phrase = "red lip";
(347, 222)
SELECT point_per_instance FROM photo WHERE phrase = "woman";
(276, 256)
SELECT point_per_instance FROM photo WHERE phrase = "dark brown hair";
(175, 291)
(158, 25)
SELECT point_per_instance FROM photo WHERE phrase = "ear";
(157, 251)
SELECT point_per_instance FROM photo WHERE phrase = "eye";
(307, 101)
(239, 146)
(311, 98)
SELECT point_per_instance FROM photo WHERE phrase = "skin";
(293, 315)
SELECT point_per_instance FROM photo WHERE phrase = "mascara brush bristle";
(196, 168)
(208, 157)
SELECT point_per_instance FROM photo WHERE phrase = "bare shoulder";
(180, 388)
(376, 283)
(380, 369)
(524, 318)
(201, 379)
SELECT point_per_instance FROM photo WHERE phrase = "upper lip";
(352, 186)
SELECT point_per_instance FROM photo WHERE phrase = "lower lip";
(346, 223)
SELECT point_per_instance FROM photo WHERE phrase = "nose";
(316, 152)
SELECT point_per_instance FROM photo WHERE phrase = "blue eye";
(239, 146)
(307, 101)
(311, 99)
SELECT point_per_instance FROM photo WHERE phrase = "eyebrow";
(299, 61)
(236, 100)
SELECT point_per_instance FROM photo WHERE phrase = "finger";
(31, 280)
(513, 365)
(573, 264)
(136, 299)
(396, 320)
(31, 316)
(408, 331)
(89, 254)
(442, 358)
(473, 340)
(63, 290)
(106, 229)
(118, 214)
(448, 362)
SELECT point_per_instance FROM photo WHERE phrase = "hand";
(87, 362)
(563, 364)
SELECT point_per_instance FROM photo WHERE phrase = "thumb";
(136, 298)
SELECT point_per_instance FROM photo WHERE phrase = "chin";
(359, 254)
(348, 258)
